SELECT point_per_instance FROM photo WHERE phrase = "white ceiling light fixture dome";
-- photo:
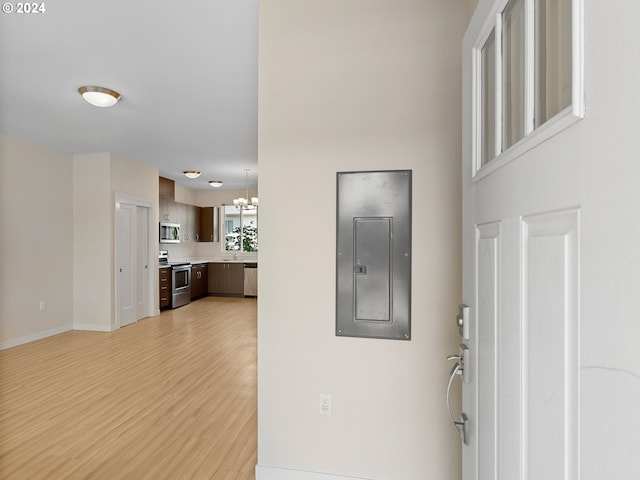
(215, 183)
(99, 96)
(191, 173)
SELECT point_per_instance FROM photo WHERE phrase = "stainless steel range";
(180, 280)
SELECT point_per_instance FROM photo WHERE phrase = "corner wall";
(36, 247)
(360, 85)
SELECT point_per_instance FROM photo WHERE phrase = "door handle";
(462, 359)
(462, 427)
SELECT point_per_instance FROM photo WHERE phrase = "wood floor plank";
(169, 397)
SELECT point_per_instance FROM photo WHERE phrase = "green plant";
(249, 236)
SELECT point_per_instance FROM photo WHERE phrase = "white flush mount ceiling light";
(245, 203)
(191, 173)
(215, 183)
(99, 96)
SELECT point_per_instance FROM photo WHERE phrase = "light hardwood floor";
(170, 397)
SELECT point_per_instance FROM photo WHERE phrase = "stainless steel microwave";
(169, 233)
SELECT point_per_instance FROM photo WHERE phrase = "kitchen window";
(528, 78)
(240, 229)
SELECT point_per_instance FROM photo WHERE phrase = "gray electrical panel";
(373, 258)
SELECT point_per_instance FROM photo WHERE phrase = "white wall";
(471, 6)
(59, 210)
(93, 235)
(36, 248)
(358, 85)
(185, 195)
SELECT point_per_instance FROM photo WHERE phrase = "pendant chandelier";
(246, 203)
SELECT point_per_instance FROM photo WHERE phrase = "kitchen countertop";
(222, 260)
(198, 261)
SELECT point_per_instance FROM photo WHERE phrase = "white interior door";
(142, 262)
(126, 263)
(132, 259)
(550, 267)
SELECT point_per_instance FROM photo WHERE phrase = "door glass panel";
(488, 106)
(513, 88)
(552, 58)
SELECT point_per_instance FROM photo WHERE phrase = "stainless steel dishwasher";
(251, 279)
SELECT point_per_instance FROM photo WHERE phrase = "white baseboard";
(94, 328)
(36, 336)
(274, 473)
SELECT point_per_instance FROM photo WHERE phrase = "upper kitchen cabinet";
(193, 223)
(166, 200)
(209, 224)
(167, 188)
(181, 219)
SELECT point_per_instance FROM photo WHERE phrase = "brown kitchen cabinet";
(165, 287)
(226, 278)
(166, 200)
(193, 223)
(199, 280)
(166, 188)
(208, 224)
(189, 217)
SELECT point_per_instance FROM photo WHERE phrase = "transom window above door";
(528, 78)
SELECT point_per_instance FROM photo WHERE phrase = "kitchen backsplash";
(179, 250)
(190, 250)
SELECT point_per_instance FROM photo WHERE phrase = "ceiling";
(187, 73)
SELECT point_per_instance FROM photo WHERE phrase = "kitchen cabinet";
(226, 278)
(166, 188)
(199, 280)
(193, 223)
(181, 219)
(168, 210)
(165, 287)
(189, 217)
(209, 224)
(166, 200)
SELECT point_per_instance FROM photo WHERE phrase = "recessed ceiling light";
(99, 96)
(191, 173)
(215, 183)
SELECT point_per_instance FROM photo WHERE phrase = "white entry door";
(551, 234)
(132, 262)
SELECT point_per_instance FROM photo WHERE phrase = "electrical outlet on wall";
(42, 305)
(325, 404)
